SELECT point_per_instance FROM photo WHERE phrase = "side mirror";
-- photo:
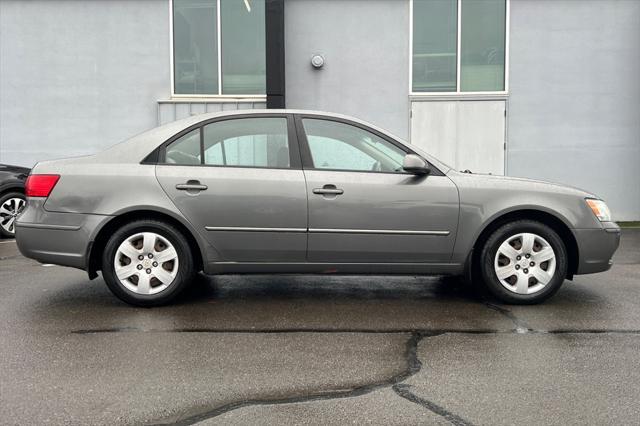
(416, 165)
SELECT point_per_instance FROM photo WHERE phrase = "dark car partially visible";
(12, 197)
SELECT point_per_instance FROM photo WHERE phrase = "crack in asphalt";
(413, 365)
(423, 332)
(403, 391)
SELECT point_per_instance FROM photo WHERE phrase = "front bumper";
(596, 247)
(58, 238)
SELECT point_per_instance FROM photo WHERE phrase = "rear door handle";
(191, 185)
(328, 190)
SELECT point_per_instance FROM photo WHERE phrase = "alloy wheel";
(146, 263)
(525, 263)
(9, 211)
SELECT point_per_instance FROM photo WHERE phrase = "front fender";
(481, 205)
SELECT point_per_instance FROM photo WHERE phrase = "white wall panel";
(464, 134)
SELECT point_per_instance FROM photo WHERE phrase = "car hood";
(515, 183)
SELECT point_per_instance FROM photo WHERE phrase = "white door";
(464, 134)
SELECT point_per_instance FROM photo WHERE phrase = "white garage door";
(464, 134)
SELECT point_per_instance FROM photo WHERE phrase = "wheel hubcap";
(525, 263)
(9, 211)
(146, 263)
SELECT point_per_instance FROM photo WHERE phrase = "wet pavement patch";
(318, 350)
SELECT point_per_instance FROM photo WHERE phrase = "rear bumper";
(58, 238)
(596, 247)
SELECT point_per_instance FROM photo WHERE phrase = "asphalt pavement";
(318, 350)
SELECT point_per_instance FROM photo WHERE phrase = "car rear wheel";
(11, 205)
(524, 262)
(147, 263)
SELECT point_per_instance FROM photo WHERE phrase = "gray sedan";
(284, 191)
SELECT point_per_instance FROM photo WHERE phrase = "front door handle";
(191, 185)
(328, 190)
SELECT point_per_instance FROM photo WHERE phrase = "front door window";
(338, 146)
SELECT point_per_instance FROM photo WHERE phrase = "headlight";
(600, 209)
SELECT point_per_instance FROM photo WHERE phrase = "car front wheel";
(147, 263)
(524, 262)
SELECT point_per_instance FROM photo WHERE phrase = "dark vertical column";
(274, 28)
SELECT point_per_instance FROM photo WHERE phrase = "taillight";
(40, 185)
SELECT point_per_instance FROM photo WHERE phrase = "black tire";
(490, 248)
(182, 279)
(4, 197)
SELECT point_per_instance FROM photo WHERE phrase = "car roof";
(138, 147)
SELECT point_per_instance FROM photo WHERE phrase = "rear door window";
(247, 142)
(185, 150)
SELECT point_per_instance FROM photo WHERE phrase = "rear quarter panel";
(113, 189)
